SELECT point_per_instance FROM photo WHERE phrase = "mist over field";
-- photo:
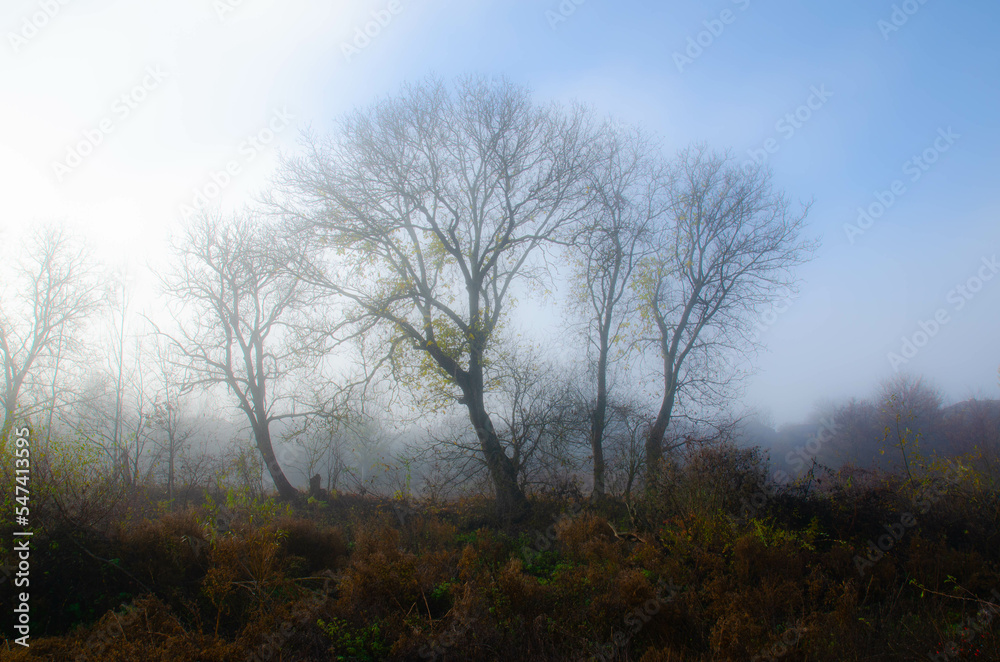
(524, 330)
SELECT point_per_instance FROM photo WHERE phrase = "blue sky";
(227, 70)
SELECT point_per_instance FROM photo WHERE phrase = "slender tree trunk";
(55, 378)
(597, 427)
(13, 392)
(599, 416)
(598, 421)
(673, 357)
(170, 466)
(118, 442)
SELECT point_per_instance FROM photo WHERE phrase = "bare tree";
(57, 370)
(539, 416)
(368, 447)
(325, 446)
(909, 396)
(195, 468)
(626, 426)
(452, 459)
(238, 299)
(538, 413)
(58, 292)
(730, 246)
(627, 186)
(112, 408)
(125, 431)
(438, 204)
(169, 412)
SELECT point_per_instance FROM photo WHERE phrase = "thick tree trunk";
(654, 445)
(286, 491)
(511, 502)
(654, 440)
(598, 423)
(597, 426)
(170, 469)
(8, 425)
(599, 416)
(671, 370)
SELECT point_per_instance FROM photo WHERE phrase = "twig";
(987, 603)
(429, 617)
(120, 626)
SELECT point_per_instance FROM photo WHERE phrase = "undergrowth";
(712, 564)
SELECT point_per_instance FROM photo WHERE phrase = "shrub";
(321, 547)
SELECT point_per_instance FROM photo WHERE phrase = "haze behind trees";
(386, 267)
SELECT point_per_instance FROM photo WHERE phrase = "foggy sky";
(896, 116)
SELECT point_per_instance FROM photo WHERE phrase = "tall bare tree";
(731, 243)
(627, 186)
(437, 206)
(169, 413)
(238, 301)
(122, 426)
(56, 293)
